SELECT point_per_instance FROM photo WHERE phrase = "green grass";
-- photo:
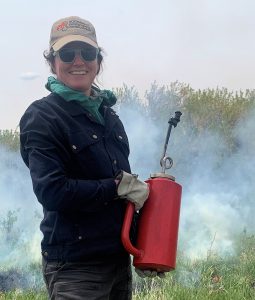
(231, 288)
(20, 295)
(213, 278)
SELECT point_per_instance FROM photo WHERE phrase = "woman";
(77, 151)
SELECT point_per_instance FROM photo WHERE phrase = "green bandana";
(90, 103)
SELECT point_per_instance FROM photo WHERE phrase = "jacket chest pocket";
(81, 141)
(86, 148)
(121, 141)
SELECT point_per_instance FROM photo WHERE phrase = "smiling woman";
(76, 66)
(77, 151)
(75, 58)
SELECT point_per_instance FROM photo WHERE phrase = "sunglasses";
(68, 55)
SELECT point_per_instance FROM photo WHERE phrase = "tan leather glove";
(149, 273)
(133, 189)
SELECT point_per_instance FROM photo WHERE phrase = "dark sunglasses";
(68, 55)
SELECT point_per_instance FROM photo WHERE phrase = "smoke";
(217, 200)
(19, 225)
(218, 189)
(142, 134)
(218, 196)
(20, 212)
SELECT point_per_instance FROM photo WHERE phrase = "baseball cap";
(72, 29)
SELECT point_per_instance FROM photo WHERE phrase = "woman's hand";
(131, 188)
(149, 273)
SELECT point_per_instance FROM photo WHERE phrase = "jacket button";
(120, 137)
(80, 237)
(74, 147)
(115, 161)
(94, 136)
(45, 253)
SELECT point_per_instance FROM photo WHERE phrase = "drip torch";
(158, 224)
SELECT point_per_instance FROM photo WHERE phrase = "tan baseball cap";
(72, 29)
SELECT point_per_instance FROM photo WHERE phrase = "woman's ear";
(98, 68)
(99, 62)
(52, 66)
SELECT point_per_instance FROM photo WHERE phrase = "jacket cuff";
(109, 190)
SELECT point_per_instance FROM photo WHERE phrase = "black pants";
(94, 280)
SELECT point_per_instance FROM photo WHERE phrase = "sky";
(203, 43)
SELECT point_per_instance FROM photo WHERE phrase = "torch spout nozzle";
(174, 121)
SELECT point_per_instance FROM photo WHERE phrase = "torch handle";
(126, 229)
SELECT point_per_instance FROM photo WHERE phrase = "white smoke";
(218, 197)
(218, 189)
(19, 214)
(144, 157)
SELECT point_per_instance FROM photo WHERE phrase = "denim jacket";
(73, 161)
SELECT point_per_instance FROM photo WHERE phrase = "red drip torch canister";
(157, 237)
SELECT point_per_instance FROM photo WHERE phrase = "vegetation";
(219, 111)
(21, 295)
(9, 139)
(221, 278)
(214, 278)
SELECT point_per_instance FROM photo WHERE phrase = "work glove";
(149, 273)
(131, 188)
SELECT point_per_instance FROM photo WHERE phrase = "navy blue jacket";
(73, 161)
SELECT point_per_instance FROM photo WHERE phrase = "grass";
(217, 288)
(21, 295)
(214, 278)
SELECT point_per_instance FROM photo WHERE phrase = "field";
(215, 278)
(213, 150)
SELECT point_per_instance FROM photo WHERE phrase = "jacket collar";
(75, 109)
(72, 107)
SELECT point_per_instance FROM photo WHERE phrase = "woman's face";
(79, 74)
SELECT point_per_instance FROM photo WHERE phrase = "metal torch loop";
(166, 162)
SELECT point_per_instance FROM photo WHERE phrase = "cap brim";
(72, 38)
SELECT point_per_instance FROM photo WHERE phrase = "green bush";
(9, 139)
